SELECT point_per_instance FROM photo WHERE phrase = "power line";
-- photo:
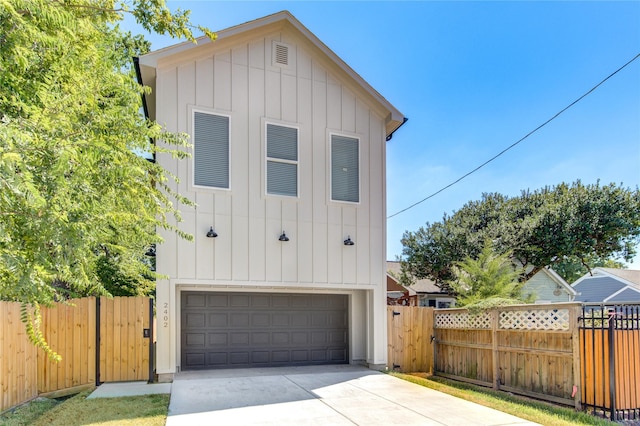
(517, 142)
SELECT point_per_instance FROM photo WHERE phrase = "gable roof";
(420, 286)
(559, 280)
(149, 62)
(608, 285)
(597, 288)
(630, 275)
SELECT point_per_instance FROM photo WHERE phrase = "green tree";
(539, 228)
(572, 267)
(487, 281)
(72, 191)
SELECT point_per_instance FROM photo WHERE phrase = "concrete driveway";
(326, 395)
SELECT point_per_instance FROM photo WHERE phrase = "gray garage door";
(232, 330)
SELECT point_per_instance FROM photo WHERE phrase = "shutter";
(211, 150)
(282, 176)
(345, 173)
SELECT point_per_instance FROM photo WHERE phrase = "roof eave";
(149, 62)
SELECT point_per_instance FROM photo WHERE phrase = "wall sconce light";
(283, 237)
(211, 233)
(349, 241)
(151, 251)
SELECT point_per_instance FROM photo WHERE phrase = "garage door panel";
(195, 359)
(218, 339)
(195, 300)
(261, 320)
(195, 320)
(300, 319)
(260, 357)
(299, 337)
(240, 300)
(338, 355)
(280, 320)
(261, 329)
(195, 340)
(280, 301)
(239, 339)
(260, 301)
(218, 321)
(280, 338)
(217, 300)
(260, 339)
(239, 320)
(239, 358)
(280, 356)
(217, 359)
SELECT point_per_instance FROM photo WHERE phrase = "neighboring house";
(399, 295)
(549, 287)
(428, 293)
(608, 285)
(287, 266)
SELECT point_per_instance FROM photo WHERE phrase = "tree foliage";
(539, 228)
(72, 191)
(488, 281)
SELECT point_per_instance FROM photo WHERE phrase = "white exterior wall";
(238, 79)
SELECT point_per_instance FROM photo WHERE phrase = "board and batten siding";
(241, 82)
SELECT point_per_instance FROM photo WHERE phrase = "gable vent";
(281, 54)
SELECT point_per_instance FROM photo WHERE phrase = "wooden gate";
(124, 339)
(409, 331)
(99, 340)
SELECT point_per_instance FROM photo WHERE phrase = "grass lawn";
(146, 410)
(532, 410)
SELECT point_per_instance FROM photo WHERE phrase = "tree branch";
(86, 6)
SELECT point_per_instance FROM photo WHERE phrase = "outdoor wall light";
(283, 237)
(211, 233)
(151, 251)
(349, 241)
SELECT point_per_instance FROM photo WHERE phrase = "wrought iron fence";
(610, 354)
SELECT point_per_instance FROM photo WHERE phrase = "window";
(345, 173)
(210, 150)
(282, 160)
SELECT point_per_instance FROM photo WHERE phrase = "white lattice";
(463, 320)
(535, 319)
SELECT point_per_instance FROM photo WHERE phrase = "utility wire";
(516, 143)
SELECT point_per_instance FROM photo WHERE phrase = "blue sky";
(475, 77)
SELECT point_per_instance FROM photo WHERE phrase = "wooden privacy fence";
(409, 331)
(99, 340)
(531, 350)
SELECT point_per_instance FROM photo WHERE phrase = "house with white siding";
(287, 168)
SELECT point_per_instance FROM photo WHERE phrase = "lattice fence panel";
(535, 319)
(463, 320)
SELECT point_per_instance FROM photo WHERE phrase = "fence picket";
(70, 330)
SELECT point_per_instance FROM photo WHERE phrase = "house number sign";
(165, 315)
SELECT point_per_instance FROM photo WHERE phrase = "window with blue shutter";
(210, 150)
(282, 160)
(345, 169)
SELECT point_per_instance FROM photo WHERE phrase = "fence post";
(574, 325)
(151, 341)
(494, 349)
(612, 364)
(97, 340)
